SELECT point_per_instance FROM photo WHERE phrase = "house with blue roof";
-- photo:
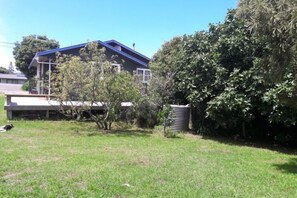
(128, 59)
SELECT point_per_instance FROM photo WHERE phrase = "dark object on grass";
(6, 127)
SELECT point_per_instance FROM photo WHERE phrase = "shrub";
(25, 86)
(146, 113)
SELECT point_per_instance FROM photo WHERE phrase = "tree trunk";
(105, 125)
(109, 125)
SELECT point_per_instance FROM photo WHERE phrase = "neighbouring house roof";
(111, 45)
(13, 76)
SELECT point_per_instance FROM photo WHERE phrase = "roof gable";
(111, 45)
(128, 50)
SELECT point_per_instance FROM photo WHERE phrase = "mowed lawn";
(72, 159)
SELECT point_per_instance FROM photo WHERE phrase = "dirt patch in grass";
(12, 178)
(12, 175)
(82, 185)
(43, 159)
(144, 161)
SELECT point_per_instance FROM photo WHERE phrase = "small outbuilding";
(13, 78)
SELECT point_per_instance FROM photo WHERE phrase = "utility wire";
(6, 46)
(4, 42)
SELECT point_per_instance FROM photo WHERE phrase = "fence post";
(8, 102)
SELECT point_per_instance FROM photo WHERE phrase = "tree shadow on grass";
(251, 143)
(288, 167)
(132, 133)
(125, 133)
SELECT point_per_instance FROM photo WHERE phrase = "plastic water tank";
(181, 117)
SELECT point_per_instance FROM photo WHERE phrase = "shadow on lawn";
(125, 133)
(251, 143)
(288, 167)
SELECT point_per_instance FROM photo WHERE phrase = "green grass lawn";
(72, 159)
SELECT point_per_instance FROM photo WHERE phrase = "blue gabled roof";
(128, 48)
(104, 44)
(53, 51)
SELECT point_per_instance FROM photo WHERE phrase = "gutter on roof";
(32, 61)
(36, 59)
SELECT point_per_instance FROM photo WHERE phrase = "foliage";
(3, 70)
(25, 50)
(285, 111)
(223, 77)
(146, 113)
(238, 102)
(165, 65)
(25, 86)
(275, 23)
(198, 74)
(163, 87)
(229, 108)
(166, 117)
(90, 80)
(215, 75)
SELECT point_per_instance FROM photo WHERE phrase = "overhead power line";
(7, 46)
(6, 43)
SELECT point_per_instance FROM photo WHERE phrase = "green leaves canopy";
(165, 65)
(275, 23)
(228, 72)
(25, 51)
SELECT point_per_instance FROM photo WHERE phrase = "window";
(117, 67)
(144, 75)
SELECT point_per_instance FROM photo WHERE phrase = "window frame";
(118, 66)
(143, 77)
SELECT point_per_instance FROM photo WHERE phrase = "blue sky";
(147, 23)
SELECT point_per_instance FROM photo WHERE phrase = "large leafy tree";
(163, 86)
(25, 50)
(225, 79)
(89, 80)
(235, 50)
(198, 77)
(240, 75)
(165, 65)
(213, 76)
(275, 23)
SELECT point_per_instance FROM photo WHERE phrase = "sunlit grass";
(73, 159)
